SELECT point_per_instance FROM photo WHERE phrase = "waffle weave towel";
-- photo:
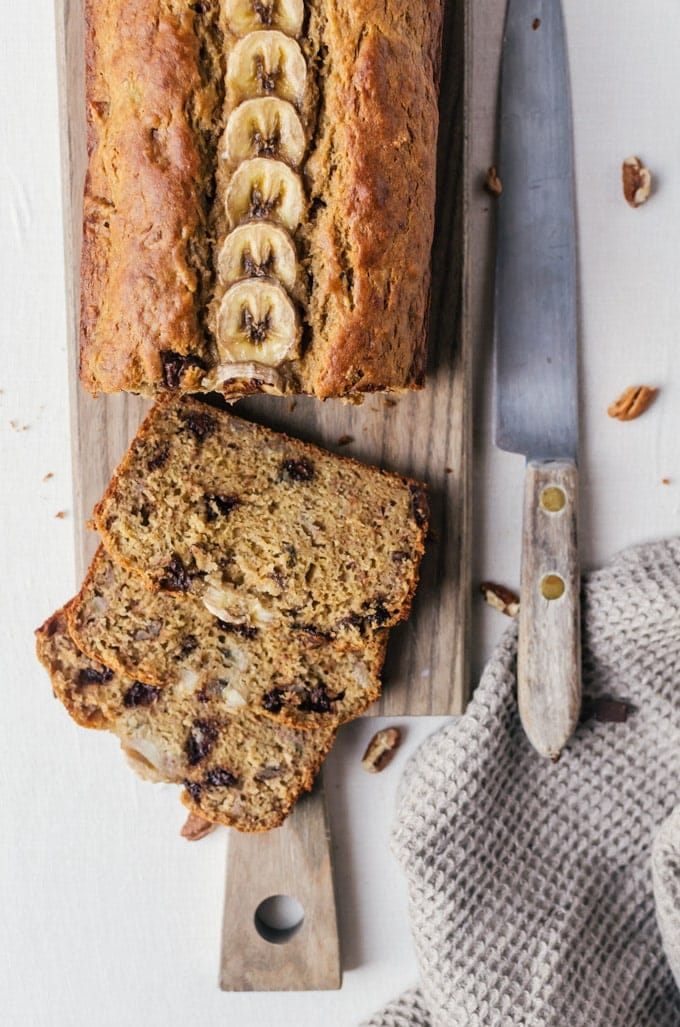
(532, 885)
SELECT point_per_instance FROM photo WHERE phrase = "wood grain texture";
(549, 651)
(293, 860)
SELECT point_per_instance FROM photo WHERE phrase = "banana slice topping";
(258, 249)
(266, 63)
(265, 127)
(263, 188)
(246, 16)
(257, 321)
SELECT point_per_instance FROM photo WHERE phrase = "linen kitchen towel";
(532, 884)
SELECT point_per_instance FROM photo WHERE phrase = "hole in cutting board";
(278, 918)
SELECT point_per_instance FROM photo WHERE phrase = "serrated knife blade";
(536, 366)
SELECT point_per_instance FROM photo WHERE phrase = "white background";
(107, 917)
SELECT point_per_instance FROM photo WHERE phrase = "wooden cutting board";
(425, 435)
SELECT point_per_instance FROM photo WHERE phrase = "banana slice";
(257, 321)
(266, 63)
(263, 188)
(265, 127)
(246, 16)
(256, 250)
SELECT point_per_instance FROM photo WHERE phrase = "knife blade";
(536, 366)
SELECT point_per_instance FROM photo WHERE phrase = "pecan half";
(196, 828)
(492, 182)
(381, 749)
(500, 597)
(637, 181)
(633, 402)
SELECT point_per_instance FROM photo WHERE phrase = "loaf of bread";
(259, 202)
(161, 640)
(263, 528)
(237, 768)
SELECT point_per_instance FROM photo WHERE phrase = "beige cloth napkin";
(532, 885)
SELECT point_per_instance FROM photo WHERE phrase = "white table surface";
(107, 916)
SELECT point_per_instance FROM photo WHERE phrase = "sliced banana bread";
(160, 640)
(237, 768)
(264, 528)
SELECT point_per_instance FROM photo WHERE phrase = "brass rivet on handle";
(553, 499)
(552, 586)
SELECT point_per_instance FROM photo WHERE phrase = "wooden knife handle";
(549, 652)
(293, 860)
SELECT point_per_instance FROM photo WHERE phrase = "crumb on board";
(344, 440)
(387, 402)
(292, 405)
(449, 470)
(536, 24)
(15, 426)
(50, 474)
(60, 514)
(665, 481)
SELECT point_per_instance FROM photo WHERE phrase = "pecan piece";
(381, 749)
(633, 402)
(637, 181)
(196, 828)
(500, 597)
(492, 182)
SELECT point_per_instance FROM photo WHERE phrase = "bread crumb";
(665, 481)
(387, 402)
(344, 440)
(449, 470)
(536, 24)
(15, 426)
(60, 514)
(292, 405)
(48, 476)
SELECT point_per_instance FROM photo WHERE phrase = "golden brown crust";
(154, 107)
(146, 192)
(374, 166)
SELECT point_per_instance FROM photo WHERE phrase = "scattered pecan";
(272, 701)
(381, 749)
(632, 403)
(196, 828)
(605, 709)
(492, 182)
(637, 181)
(500, 597)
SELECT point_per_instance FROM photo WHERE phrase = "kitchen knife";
(536, 380)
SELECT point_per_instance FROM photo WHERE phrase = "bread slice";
(160, 640)
(265, 529)
(237, 768)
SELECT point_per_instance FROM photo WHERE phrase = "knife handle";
(549, 650)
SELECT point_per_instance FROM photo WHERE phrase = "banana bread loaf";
(237, 768)
(160, 640)
(265, 529)
(259, 202)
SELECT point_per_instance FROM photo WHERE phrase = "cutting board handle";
(549, 650)
(292, 861)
